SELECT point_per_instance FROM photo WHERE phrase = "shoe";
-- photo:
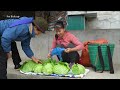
(17, 67)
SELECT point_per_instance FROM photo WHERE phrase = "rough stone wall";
(52, 17)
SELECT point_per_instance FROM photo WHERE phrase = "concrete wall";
(41, 44)
(103, 20)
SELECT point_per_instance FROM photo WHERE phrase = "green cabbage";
(38, 68)
(47, 68)
(78, 69)
(61, 68)
(28, 66)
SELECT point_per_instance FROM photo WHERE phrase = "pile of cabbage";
(50, 66)
(31, 66)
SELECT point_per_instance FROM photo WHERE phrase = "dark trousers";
(3, 63)
(72, 57)
(3, 59)
(15, 54)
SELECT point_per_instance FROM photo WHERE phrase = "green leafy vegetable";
(78, 69)
(47, 68)
(38, 68)
(61, 68)
(28, 66)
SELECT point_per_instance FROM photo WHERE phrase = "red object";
(85, 59)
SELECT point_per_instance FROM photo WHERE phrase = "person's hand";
(49, 55)
(9, 55)
(36, 60)
(67, 50)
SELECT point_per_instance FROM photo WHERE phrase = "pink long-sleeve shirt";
(66, 40)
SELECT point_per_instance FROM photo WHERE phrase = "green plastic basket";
(94, 58)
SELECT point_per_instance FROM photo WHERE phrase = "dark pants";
(3, 63)
(15, 54)
(3, 59)
(72, 57)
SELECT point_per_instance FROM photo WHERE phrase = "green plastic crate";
(94, 58)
